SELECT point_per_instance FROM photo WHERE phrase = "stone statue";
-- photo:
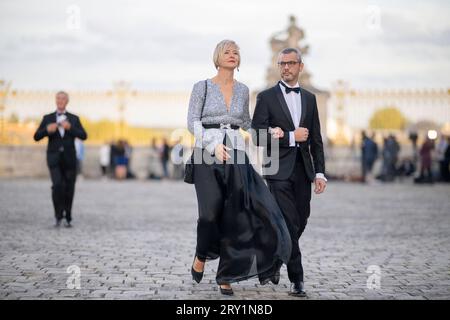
(289, 38)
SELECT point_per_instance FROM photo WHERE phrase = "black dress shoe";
(275, 279)
(297, 289)
(226, 291)
(67, 224)
(196, 276)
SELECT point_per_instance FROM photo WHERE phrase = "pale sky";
(167, 45)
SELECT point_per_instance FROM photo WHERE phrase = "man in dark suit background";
(61, 128)
(289, 113)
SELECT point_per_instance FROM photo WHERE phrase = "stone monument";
(293, 37)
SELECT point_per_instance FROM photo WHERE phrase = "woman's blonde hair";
(221, 47)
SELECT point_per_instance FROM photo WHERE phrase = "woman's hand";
(221, 152)
(277, 133)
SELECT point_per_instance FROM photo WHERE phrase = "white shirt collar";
(296, 85)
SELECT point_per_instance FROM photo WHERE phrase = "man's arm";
(316, 143)
(77, 130)
(41, 131)
(260, 125)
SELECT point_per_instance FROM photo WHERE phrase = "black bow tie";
(289, 89)
(60, 114)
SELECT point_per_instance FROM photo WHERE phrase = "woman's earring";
(238, 69)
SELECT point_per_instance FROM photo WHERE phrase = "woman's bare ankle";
(199, 266)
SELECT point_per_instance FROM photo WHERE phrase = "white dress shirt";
(294, 103)
(59, 120)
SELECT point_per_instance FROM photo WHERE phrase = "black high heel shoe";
(226, 291)
(196, 276)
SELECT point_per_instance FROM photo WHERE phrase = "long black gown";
(239, 221)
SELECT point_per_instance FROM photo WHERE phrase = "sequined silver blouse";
(215, 112)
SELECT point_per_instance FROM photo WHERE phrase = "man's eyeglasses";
(289, 63)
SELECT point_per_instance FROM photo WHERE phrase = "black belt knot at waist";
(220, 126)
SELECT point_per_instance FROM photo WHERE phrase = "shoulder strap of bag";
(204, 99)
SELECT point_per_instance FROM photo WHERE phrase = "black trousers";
(294, 196)
(63, 189)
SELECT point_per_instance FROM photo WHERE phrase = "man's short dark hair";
(290, 50)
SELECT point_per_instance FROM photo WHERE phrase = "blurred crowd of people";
(419, 164)
(160, 165)
(428, 163)
(115, 160)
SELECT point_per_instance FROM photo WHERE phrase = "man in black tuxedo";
(61, 128)
(289, 113)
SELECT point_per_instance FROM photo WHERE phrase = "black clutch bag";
(189, 170)
(189, 167)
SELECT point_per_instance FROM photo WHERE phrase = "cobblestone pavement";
(136, 239)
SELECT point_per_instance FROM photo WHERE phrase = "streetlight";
(340, 94)
(122, 90)
(4, 91)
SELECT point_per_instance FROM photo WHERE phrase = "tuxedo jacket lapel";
(302, 118)
(284, 105)
(55, 118)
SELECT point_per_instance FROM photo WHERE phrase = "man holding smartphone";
(61, 128)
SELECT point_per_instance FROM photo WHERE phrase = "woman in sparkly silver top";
(239, 220)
